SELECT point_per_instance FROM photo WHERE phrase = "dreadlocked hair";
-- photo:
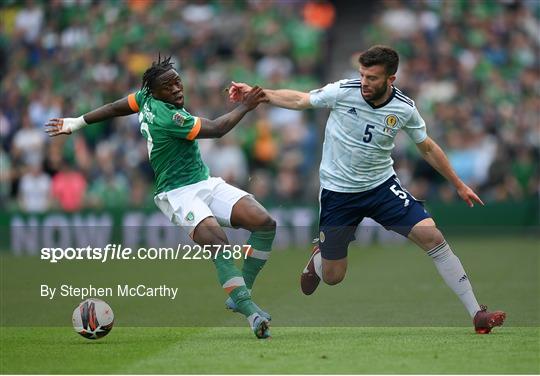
(151, 74)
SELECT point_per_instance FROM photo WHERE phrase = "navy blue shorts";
(388, 204)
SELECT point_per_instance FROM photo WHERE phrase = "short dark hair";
(380, 55)
(157, 69)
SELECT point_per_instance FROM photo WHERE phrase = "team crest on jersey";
(390, 123)
(178, 119)
(190, 216)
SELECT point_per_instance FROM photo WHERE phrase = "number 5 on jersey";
(367, 133)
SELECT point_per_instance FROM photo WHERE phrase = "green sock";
(232, 282)
(261, 245)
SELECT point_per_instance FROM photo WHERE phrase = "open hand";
(55, 127)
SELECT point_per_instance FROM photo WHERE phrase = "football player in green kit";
(185, 192)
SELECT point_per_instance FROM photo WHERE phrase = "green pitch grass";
(392, 314)
(291, 350)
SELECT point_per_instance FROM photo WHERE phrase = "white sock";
(450, 268)
(317, 262)
(251, 319)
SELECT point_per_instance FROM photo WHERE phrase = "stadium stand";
(473, 69)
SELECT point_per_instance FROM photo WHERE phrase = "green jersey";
(170, 134)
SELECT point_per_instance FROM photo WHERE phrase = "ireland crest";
(178, 119)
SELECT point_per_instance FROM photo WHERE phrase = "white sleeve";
(325, 97)
(416, 127)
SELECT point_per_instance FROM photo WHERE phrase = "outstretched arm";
(223, 124)
(57, 126)
(291, 99)
(434, 155)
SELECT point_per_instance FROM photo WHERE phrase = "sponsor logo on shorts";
(322, 237)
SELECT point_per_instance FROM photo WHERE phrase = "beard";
(376, 94)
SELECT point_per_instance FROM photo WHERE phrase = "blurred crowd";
(62, 58)
(471, 66)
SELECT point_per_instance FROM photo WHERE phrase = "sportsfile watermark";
(118, 252)
(148, 277)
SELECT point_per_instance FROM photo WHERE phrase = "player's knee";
(262, 237)
(215, 240)
(210, 235)
(433, 238)
(270, 223)
(265, 222)
(333, 277)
